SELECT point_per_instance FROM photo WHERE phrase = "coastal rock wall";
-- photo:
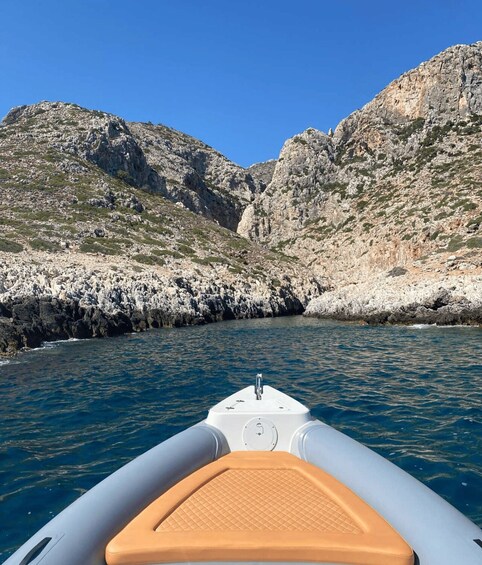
(398, 180)
(49, 301)
(396, 300)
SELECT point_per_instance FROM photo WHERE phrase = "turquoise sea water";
(73, 412)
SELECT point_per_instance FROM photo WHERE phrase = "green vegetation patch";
(437, 133)
(168, 253)
(199, 233)
(186, 250)
(92, 245)
(10, 246)
(455, 243)
(43, 245)
(124, 176)
(239, 243)
(236, 270)
(211, 259)
(160, 230)
(465, 204)
(407, 131)
(477, 220)
(474, 243)
(148, 259)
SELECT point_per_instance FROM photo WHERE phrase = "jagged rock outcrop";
(385, 300)
(447, 87)
(196, 175)
(263, 171)
(398, 180)
(76, 297)
(149, 157)
(97, 137)
(293, 197)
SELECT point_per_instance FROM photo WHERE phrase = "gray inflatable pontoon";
(259, 481)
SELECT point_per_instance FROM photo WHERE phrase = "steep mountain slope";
(399, 183)
(153, 158)
(108, 226)
(196, 175)
(92, 244)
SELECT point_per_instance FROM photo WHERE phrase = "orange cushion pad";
(259, 506)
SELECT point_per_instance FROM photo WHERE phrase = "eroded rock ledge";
(46, 301)
(446, 300)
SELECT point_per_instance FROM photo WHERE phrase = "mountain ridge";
(321, 176)
(378, 220)
(82, 194)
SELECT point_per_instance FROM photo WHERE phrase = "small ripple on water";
(437, 326)
(74, 412)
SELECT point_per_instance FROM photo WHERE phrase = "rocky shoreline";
(61, 299)
(50, 298)
(448, 300)
(28, 322)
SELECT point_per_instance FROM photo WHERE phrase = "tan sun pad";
(259, 506)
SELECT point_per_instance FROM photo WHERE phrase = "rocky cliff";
(398, 183)
(149, 157)
(109, 226)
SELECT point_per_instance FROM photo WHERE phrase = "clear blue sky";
(242, 75)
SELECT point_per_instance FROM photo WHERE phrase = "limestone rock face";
(69, 296)
(113, 148)
(432, 300)
(263, 171)
(154, 158)
(196, 175)
(97, 137)
(293, 197)
(397, 181)
(447, 87)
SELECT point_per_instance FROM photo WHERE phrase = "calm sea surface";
(73, 412)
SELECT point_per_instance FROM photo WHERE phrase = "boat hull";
(437, 532)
